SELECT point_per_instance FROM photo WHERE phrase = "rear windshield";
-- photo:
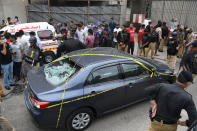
(45, 34)
(58, 72)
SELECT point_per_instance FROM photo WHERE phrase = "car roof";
(101, 56)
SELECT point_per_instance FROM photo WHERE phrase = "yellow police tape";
(60, 111)
(92, 95)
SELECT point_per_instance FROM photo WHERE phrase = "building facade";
(183, 11)
(12, 8)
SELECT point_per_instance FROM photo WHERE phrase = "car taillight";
(39, 105)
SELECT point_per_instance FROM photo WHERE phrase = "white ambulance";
(44, 31)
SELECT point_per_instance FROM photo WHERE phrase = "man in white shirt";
(80, 34)
(24, 40)
(117, 29)
(17, 56)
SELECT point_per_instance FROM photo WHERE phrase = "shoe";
(7, 87)
(156, 55)
(3, 95)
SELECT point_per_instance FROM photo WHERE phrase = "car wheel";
(80, 119)
(49, 58)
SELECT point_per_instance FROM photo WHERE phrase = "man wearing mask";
(6, 64)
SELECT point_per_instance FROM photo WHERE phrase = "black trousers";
(17, 69)
(131, 47)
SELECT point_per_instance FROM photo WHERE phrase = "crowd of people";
(136, 39)
(9, 21)
(19, 54)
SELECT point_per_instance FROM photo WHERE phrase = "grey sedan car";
(82, 85)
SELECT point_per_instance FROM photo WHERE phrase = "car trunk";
(37, 81)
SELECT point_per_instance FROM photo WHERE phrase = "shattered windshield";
(58, 72)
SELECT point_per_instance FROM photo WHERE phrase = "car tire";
(80, 119)
(48, 57)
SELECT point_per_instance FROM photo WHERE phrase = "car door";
(136, 80)
(105, 86)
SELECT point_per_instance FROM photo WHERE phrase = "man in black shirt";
(6, 64)
(172, 50)
(153, 38)
(189, 61)
(167, 102)
(165, 34)
(123, 39)
(69, 46)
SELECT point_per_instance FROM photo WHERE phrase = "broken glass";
(59, 71)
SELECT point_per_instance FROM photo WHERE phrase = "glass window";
(133, 70)
(105, 74)
(58, 72)
(45, 34)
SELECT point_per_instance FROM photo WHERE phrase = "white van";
(44, 31)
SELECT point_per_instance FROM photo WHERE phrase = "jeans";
(131, 47)
(8, 74)
(17, 69)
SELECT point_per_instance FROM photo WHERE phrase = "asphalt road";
(133, 118)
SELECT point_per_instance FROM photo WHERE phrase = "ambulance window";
(45, 34)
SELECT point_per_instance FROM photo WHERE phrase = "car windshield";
(45, 34)
(58, 72)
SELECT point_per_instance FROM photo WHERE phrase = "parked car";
(88, 86)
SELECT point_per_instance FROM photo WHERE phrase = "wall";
(184, 11)
(12, 8)
(66, 14)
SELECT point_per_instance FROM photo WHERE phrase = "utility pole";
(163, 10)
(49, 9)
(88, 11)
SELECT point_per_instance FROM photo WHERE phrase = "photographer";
(6, 63)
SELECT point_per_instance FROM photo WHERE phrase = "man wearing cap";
(172, 50)
(189, 61)
(168, 100)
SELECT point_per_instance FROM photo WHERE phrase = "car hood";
(37, 82)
